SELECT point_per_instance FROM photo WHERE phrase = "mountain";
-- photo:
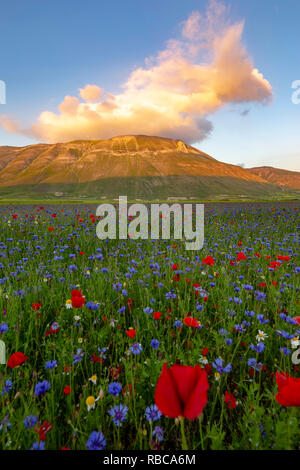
(284, 178)
(139, 166)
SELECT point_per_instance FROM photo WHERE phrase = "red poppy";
(115, 372)
(128, 389)
(262, 284)
(275, 264)
(174, 267)
(181, 391)
(75, 292)
(44, 428)
(131, 333)
(16, 359)
(129, 304)
(283, 258)
(36, 306)
(288, 390)
(208, 260)
(97, 359)
(189, 321)
(67, 390)
(156, 315)
(241, 256)
(77, 299)
(208, 369)
(230, 400)
(195, 285)
(297, 319)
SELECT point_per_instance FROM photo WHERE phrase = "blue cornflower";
(260, 317)
(30, 421)
(5, 424)
(158, 433)
(285, 351)
(114, 388)
(102, 352)
(178, 324)
(148, 310)
(42, 387)
(218, 364)
(155, 343)
(3, 327)
(96, 441)
(290, 320)
(152, 413)
(253, 364)
(136, 348)
(117, 286)
(223, 332)
(78, 357)
(247, 287)
(284, 334)
(54, 327)
(92, 305)
(170, 295)
(38, 446)
(199, 307)
(7, 387)
(250, 313)
(118, 414)
(258, 348)
(260, 296)
(228, 341)
(240, 328)
(51, 364)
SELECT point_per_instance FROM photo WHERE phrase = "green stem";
(183, 438)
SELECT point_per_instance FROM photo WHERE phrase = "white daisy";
(261, 335)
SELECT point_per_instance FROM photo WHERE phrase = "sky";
(217, 75)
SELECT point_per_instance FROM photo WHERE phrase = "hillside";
(284, 178)
(143, 167)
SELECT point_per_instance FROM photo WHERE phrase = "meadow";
(124, 344)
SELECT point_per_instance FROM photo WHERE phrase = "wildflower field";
(124, 344)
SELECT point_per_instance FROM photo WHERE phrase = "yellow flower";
(69, 303)
(93, 379)
(217, 376)
(80, 340)
(90, 403)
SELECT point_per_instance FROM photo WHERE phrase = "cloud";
(171, 96)
(90, 93)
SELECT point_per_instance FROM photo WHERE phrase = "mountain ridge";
(137, 165)
(278, 176)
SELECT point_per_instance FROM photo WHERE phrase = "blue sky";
(51, 49)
